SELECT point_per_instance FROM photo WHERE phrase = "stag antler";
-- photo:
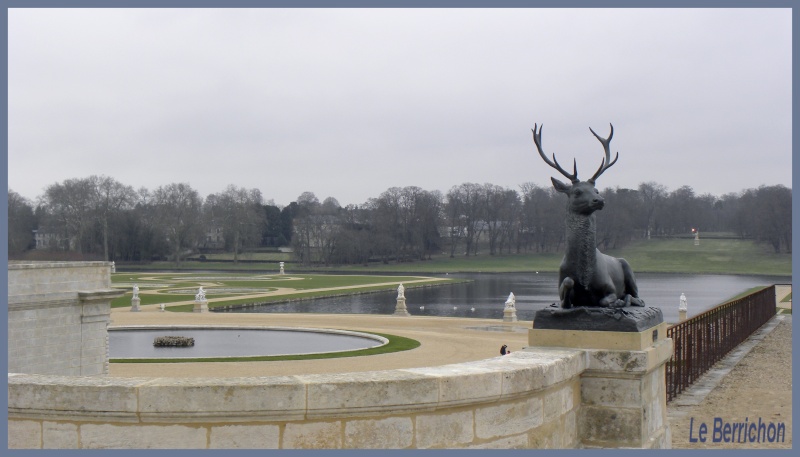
(607, 162)
(537, 138)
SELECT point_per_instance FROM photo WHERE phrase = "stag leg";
(565, 292)
(611, 301)
(631, 289)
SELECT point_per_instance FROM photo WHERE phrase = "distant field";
(713, 255)
(723, 256)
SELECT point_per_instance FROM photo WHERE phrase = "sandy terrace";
(444, 340)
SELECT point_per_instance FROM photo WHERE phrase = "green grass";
(711, 256)
(787, 299)
(395, 344)
(309, 286)
(721, 256)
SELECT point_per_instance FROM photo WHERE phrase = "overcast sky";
(348, 103)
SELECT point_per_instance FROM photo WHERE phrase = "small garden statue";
(510, 310)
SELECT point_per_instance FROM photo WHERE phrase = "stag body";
(587, 277)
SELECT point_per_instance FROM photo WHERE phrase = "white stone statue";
(682, 306)
(135, 299)
(512, 301)
(162, 307)
(401, 291)
(113, 267)
(510, 310)
(201, 295)
(282, 272)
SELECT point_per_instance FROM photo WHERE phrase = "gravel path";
(759, 386)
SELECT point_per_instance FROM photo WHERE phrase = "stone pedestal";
(135, 301)
(681, 315)
(509, 314)
(200, 306)
(623, 389)
(400, 309)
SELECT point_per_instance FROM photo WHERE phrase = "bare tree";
(239, 212)
(110, 199)
(453, 210)
(70, 207)
(767, 216)
(466, 209)
(316, 229)
(500, 205)
(541, 229)
(653, 196)
(179, 211)
(21, 223)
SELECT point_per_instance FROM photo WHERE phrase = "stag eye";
(577, 192)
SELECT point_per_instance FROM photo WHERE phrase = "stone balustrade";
(528, 399)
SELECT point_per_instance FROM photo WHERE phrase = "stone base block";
(200, 307)
(627, 319)
(586, 339)
(400, 309)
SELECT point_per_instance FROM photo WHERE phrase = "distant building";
(46, 239)
(214, 238)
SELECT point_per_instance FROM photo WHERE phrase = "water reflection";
(487, 294)
(238, 342)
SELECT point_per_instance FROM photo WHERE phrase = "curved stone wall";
(528, 399)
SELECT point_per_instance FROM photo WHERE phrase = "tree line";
(101, 217)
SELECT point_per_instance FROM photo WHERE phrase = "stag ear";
(560, 186)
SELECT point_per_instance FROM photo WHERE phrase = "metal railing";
(705, 339)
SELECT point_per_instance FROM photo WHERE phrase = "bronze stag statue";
(587, 277)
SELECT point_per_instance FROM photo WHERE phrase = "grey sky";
(347, 103)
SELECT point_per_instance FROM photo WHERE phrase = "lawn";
(247, 288)
(722, 256)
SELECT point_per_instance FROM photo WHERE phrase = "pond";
(235, 342)
(485, 295)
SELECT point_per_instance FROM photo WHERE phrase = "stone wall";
(57, 317)
(528, 399)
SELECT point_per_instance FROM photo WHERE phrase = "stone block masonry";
(424, 408)
(58, 313)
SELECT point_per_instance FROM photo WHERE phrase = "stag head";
(584, 198)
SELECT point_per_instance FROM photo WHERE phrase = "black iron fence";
(705, 339)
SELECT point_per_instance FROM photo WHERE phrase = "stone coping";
(26, 264)
(291, 398)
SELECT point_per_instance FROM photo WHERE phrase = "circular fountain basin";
(137, 342)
